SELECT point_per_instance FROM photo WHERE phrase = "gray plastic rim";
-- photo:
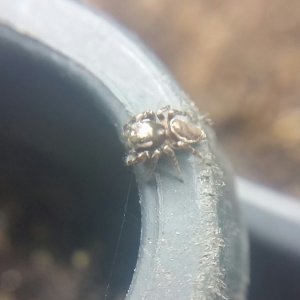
(193, 242)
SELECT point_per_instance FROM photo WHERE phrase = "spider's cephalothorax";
(149, 135)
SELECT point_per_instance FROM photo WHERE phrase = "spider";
(149, 135)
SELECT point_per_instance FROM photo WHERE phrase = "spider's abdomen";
(186, 132)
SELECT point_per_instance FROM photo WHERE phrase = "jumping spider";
(150, 135)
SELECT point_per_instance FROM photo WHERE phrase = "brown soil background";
(240, 62)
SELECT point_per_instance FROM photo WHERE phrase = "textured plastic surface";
(193, 244)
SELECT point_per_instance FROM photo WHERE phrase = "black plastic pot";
(273, 220)
(69, 80)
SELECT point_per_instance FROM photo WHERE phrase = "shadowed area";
(63, 183)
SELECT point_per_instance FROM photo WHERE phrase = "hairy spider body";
(183, 131)
(150, 135)
(146, 134)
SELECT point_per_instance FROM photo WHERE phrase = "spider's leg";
(175, 112)
(164, 109)
(125, 127)
(186, 146)
(134, 158)
(155, 158)
(206, 119)
(170, 152)
(170, 113)
(161, 112)
(149, 114)
(129, 123)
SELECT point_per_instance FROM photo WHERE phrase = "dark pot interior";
(63, 183)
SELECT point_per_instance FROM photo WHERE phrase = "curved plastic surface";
(193, 244)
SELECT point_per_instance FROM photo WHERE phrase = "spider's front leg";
(167, 110)
(155, 156)
(161, 112)
(149, 114)
(134, 157)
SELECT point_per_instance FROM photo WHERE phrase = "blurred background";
(240, 62)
